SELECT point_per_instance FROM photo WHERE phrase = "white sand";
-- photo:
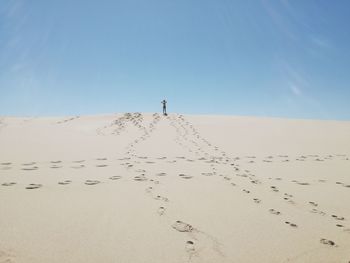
(243, 189)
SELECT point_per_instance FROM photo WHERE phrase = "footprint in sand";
(274, 188)
(101, 165)
(207, 174)
(182, 226)
(256, 200)
(327, 242)
(161, 210)
(80, 161)
(8, 184)
(274, 212)
(161, 174)
(55, 166)
(154, 181)
(34, 186)
(78, 166)
(184, 176)
(140, 178)
(246, 191)
(289, 200)
(101, 159)
(56, 161)
(6, 163)
(115, 177)
(316, 211)
(92, 182)
(30, 168)
(161, 198)
(190, 247)
(291, 224)
(65, 182)
(313, 203)
(28, 164)
(338, 217)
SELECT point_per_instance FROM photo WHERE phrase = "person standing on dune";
(164, 107)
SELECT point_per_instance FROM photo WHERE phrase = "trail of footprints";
(190, 140)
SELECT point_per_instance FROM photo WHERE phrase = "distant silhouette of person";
(164, 107)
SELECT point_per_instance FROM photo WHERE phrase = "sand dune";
(149, 188)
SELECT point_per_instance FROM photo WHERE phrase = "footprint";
(161, 210)
(316, 211)
(327, 242)
(78, 167)
(56, 161)
(92, 182)
(190, 246)
(8, 184)
(6, 163)
(184, 176)
(33, 186)
(274, 188)
(27, 164)
(55, 166)
(101, 159)
(246, 191)
(101, 165)
(313, 203)
(161, 174)
(65, 182)
(274, 212)
(291, 224)
(30, 169)
(115, 177)
(256, 200)
(182, 226)
(207, 174)
(80, 161)
(338, 217)
(255, 182)
(140, 178)
(161, 198)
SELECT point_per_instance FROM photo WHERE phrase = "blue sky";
(249, 57)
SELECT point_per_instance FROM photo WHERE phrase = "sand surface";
(182, 188)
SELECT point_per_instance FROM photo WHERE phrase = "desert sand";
(179, 188)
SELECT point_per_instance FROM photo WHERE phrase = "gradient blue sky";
(249, 57)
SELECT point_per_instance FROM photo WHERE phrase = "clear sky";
(236, 57)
